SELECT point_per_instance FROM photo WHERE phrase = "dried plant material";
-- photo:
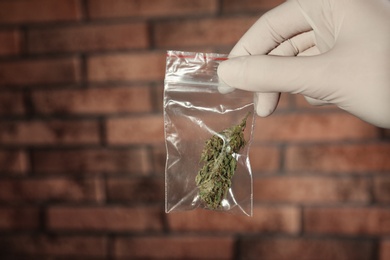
(214, 179)
(194, 108)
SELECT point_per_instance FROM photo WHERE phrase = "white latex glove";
(341, 52)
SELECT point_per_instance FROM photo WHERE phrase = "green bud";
(214, 179)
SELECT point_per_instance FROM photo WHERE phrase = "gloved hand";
(341, 52)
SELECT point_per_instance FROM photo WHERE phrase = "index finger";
(273, 28)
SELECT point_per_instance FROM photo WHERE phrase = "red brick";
(11, 103)
(265, 219)
(93, 100)
(382, 189)
(91, 161)
(63, 246)
(264, 158)
(88, 38)
(19, 218)
(312, 127)
(174, 247)
(13, 161)
(127, 67)
(56, 189)
(136, 189)
(25, 11)
(10, 42)
(150, 8)
(386, 133)
(159, 154)
(136, 130)
(221, 31)
(384, 250)
(229, 6)
(158, 92)
(311, 189)
(284, 101)
(49, 132)
(118, 219)
(304, 249)
(42, 71)
(347, 221)
(338, 158)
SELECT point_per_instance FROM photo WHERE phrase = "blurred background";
(82, 150)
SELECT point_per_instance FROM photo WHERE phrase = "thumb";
(269, 74)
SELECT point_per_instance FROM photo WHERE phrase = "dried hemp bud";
(215, 177)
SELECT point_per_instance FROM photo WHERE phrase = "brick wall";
(82, 148)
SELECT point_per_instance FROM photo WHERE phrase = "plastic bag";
(197, 115)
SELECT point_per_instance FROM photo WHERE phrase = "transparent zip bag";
(207, 137)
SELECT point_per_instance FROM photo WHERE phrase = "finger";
(268, 32)
(295, 45)
(224, 88)
(269, 74)
(266, 103)
(273, 28)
